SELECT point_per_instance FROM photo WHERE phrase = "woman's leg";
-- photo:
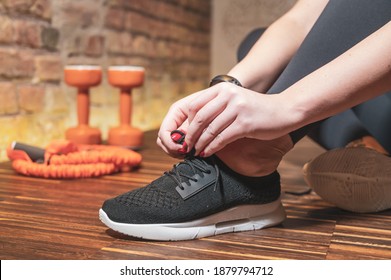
(342, 24)
(375, 115)
(334, 132)
(338, 131)
(370, 119)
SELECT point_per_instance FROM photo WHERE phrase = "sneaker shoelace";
(195, 164)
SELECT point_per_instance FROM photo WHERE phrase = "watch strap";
(224, 78)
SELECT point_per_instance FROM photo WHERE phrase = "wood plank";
(58, 219)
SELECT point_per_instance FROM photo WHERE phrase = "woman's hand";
(175, 119)
(225, 113)
(219, 115)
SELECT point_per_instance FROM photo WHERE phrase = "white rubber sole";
(354, 179)
(240, 218)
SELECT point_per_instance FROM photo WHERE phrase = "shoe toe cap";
(116, 211)
(131, 214)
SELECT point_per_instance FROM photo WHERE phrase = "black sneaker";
(197, 198)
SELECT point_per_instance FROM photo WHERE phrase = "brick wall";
(170, 38)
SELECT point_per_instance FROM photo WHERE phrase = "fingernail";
(184, 146)
(202, 154)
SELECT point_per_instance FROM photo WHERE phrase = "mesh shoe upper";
(161, 201)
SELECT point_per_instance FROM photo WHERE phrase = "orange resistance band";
(64, 159)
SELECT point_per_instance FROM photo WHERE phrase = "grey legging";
(342, 24)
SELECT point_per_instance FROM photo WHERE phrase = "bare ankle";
(251, 157)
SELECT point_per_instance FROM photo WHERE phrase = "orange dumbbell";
(126, 78)
(83, 77)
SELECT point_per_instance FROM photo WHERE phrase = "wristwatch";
(224, 78)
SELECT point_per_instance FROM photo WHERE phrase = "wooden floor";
(54, 219)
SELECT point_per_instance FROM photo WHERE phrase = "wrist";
(293, 108)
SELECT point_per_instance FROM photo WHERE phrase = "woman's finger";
(203, 118)
(226, 136)
(214, 129)
(173, 120)
(172, 151)
(199, 101)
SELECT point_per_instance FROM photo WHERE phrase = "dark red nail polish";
(202, 154)
(184, 145)
(183, 150)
